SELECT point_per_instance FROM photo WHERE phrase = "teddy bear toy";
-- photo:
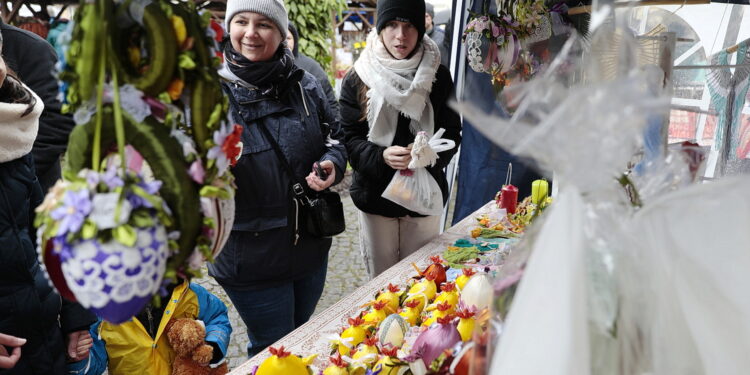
(192, 354)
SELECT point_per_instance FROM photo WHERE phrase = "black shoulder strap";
(297, 186)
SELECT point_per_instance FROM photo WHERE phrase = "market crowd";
(298, 140)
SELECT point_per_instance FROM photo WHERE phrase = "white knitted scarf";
(397, 86)
(17, 134)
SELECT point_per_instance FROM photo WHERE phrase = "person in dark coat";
(29, 308)
(396, 89)
(34, 60)
(271, 268)
(311, 66)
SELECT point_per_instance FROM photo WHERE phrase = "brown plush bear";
(192, 354)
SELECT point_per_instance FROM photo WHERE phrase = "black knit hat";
(411, 11)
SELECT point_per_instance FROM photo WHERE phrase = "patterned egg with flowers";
(113, 280)
(105, 233)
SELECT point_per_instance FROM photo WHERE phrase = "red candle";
(509, 198)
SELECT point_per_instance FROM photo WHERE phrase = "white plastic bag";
(415, 189)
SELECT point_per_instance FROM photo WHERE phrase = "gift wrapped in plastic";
(586, 126)
(415, 188)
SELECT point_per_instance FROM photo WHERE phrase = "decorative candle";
(539, 191)
(509, 198)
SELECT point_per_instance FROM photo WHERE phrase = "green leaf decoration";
(142, 219)
(184, 61)
(125, 234)
(88, 230)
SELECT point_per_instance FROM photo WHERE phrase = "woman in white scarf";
(396, 89)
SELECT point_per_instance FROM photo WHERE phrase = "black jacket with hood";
(29, 307)
(34, 60)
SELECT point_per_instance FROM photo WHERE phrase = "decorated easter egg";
(392, 330)
(477, 291)
(283, 362)
(113, 280)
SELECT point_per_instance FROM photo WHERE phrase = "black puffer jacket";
(371, 174)
(29, 307)
(33, 59)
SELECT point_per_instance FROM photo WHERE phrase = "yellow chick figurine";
(283, 362)
(376, 314)
(466, 324)
(367, 351)
(449, 296)
(392, 296)
(411, 312)
(389, 364)
(337, 367)
(461, 280)
(352, 336)
(426, 286)
(443, 310)
(424, 291)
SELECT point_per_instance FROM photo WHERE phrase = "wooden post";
(10, 14)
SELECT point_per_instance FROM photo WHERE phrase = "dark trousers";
(273, 312)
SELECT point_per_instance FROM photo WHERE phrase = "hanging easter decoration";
(147, 195)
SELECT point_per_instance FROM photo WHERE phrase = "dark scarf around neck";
(272, 77)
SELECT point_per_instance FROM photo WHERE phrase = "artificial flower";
(175, 88)
(70, 216)
(232, 145)
(196, 171)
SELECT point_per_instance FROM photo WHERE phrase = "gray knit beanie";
(273, 9)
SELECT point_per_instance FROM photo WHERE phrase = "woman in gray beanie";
(396, 89)
(272, 269)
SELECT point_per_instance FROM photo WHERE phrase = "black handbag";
(323, 210)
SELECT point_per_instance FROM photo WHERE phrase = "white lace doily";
(543, 31)
(474, 51)
(111, 273)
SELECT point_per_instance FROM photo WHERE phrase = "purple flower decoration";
(92, 178)
(111, 179)
(151, 187)
(61, 247)
(76, 206)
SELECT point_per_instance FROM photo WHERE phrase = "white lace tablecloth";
(310, 338)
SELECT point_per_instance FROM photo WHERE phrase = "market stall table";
(310, 338)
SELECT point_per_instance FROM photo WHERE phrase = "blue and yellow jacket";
(128, 348)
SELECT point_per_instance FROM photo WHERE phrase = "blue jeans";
(272, 313)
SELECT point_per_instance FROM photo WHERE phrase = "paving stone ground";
(346, 272)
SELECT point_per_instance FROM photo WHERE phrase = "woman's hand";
(397, 157)
(315, 183)
(8, 360)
